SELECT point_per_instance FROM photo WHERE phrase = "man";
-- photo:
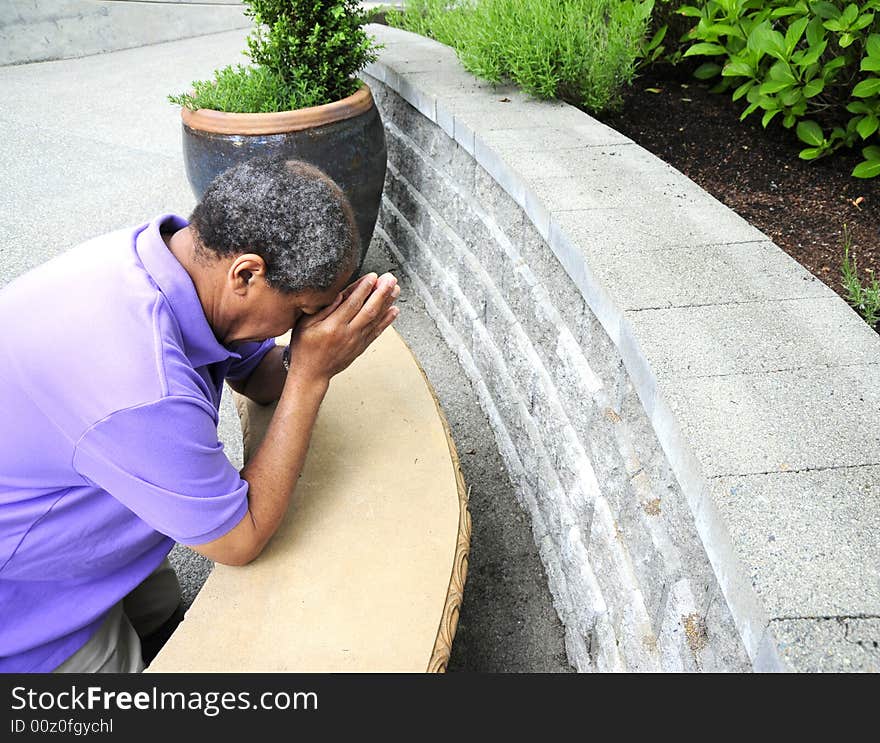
(112, 362)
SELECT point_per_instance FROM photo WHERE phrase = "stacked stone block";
(629, 575)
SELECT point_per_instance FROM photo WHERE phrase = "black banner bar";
(122, 706)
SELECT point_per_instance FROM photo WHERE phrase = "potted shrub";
(300, 98)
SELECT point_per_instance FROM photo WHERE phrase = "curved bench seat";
(367, 569)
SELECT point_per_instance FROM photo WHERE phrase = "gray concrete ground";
(91, 145)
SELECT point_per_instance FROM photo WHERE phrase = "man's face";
(270, 313)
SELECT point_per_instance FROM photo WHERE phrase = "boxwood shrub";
(305, 53)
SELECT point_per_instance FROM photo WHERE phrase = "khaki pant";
(116, 646)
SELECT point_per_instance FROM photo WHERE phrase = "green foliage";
(800, 60)
(662, 43)
(247, 90)
(652, 48)
(305, 53)
(864, 299)
(581, 51)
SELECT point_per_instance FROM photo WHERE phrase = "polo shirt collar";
(200, 344)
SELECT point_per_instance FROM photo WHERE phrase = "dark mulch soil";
(801, 205)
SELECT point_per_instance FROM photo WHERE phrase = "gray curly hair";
(288, 212)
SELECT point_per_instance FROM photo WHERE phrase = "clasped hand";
(327, 342)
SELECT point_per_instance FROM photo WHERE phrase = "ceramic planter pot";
(345, 139)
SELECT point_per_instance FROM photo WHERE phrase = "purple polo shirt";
(110, 384)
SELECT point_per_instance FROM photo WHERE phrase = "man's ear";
(244, 271)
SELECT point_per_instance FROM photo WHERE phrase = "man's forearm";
(274, 469)
(272, 472)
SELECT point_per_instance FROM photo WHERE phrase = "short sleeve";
(163, 461)
(251, 356)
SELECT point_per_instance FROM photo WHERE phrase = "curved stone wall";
(686, 413)
(40, 30)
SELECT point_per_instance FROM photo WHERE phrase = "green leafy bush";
(581, 51)
(864, 299)
(801, 61)
(305, 52)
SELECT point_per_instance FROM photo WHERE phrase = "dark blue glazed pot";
(345, 139)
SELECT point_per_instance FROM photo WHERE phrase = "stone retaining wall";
(685, 412)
